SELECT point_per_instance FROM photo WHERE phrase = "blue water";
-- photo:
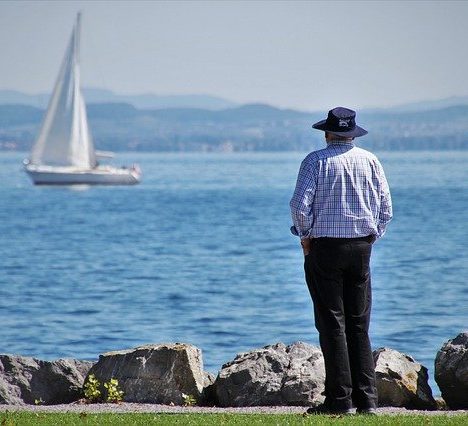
(200, 252)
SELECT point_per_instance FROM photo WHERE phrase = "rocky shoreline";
(276, 378)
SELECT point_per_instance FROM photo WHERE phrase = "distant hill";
(8, 97)
(431, 104)
(254, 127)
(421, 106)
(144, 101)
(19, 115)
(207, 102)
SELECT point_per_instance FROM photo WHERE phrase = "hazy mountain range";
(206, 123)
(144, 101)
(151, 101)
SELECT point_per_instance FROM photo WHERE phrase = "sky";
(308, 55)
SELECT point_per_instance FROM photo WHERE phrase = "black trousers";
(338, 277)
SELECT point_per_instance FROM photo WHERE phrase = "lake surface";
(201, 252)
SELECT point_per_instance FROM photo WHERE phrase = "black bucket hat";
(341, 121)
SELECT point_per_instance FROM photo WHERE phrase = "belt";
(368, 238)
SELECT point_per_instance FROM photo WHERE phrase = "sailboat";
(64, 153)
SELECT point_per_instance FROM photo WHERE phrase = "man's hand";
(305, 243)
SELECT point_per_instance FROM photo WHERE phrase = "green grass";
(129, 419)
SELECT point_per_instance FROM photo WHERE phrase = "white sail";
(64, 139)
(64, 151)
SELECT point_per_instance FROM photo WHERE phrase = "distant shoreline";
(299, 152)
(256, 127)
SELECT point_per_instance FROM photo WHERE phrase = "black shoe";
(323, 409)
(371, 411)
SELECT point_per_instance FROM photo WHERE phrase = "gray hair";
(339, 138)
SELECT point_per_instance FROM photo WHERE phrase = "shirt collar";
(338, 142)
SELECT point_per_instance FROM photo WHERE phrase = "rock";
(451, 371)
(208, 379)
(26, 380)
(401, 381)
(274, 375)
(441, 404)
(158, 374)
(208, 397)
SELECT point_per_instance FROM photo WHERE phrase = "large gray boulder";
(451, 371)
(26, 380)
(401, 381)
(274, 375)
(159, 373)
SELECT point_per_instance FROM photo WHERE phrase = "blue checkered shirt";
(341, 192)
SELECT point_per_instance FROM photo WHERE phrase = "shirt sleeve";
(302, 200)
(386, 211)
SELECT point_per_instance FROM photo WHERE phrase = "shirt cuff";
(295, 232)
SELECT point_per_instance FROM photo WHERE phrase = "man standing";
(340, 206)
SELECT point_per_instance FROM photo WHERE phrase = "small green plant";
(189, 400)
(91, 389)
(114, 394)
(38, 401)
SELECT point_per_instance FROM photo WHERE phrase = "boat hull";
(67, 176)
